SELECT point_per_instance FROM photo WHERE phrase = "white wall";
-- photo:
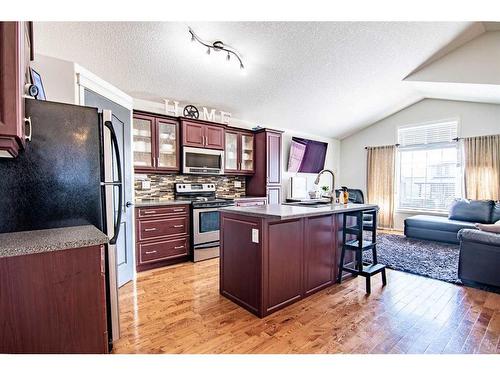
(474, 119)
(332, 160)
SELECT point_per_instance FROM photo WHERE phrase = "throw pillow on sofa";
(469, 210)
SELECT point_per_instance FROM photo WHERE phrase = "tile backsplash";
(162, 185)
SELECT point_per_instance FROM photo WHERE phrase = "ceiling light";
(217, 46)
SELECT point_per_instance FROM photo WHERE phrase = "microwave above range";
(202, 161)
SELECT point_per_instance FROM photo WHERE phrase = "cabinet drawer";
(155, 228)
(159, 211)
(162, 250)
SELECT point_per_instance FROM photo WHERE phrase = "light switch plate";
(145, 184)
(237, 184)
(255, 235)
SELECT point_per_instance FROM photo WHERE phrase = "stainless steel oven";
(204, 217)
(205, 225)
(202, 161)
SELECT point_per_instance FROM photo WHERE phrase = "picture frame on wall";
(36, 80)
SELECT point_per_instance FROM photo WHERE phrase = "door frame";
(87, 80)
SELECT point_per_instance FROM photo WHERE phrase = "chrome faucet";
(332, 193)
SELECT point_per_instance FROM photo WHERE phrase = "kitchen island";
(274, 255)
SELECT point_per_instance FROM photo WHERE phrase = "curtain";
(380, 182)
(482, 167)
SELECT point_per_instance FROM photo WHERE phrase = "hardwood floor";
(179, 310)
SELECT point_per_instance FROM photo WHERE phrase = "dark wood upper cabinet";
(266, 181)
(15, 54)
(239, 152)
(201, 134)
(156, 143)
(214, 137)
(193, 134)
(273, 157)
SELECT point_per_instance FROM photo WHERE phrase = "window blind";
(441, 132)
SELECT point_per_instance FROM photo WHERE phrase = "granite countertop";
(45, 240)
(282, 211)
(160, 202)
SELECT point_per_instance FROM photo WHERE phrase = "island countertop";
(285, 211)
(45, 240)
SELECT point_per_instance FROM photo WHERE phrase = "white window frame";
(398, 161)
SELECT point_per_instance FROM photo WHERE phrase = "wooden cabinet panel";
(162, 236)
(15, 40)
(273, 158)
(319, 255)
(240, 281)
(161, 211)
(274, 194)
(162, 250)
(214, 137)
(163, 227)
(266, 178)
(53, 302)
(284, 263)
(193, 134)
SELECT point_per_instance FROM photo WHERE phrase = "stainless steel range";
(205, 217)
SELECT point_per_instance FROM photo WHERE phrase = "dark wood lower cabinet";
(320, 263)
(54, 302)
(284, 263)
(266, 264)
(162, 236)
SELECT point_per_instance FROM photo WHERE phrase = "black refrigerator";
(58, 180)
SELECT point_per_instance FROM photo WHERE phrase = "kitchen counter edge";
(283, 212)
(46, 240)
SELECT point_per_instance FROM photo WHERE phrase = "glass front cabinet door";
(231, 152)
(247, 154)
(167, 155)
(143, 133)
(156, 144)
(239, 152)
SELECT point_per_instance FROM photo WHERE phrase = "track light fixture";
(217, 46)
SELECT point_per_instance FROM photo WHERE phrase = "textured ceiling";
(329, 78)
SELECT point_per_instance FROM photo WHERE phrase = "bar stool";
(365, 221)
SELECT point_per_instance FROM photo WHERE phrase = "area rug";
(426, 258)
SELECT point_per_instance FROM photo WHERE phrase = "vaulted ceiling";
(323, 78)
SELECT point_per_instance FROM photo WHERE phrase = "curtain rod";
(397, 144)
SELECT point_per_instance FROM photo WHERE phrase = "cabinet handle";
(151, 252)
(149, 212)
(27, 121)
(150, 229)
(179, 247)
(178, 226)
(178, 209)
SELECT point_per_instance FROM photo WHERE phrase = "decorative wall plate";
(191, 111)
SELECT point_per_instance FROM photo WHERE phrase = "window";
(428, 166)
